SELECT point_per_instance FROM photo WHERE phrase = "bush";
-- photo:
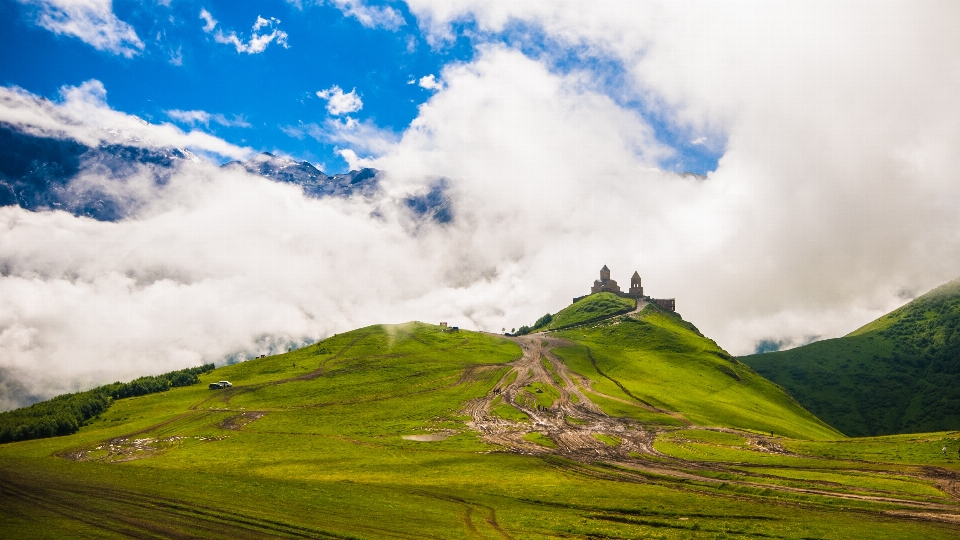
(543, 321)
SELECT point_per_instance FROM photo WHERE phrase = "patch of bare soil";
(237, 422)
(128, 449)
(571, 424)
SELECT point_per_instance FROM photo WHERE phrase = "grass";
(646, 417)
(540, 439)
(538, 395)
(897, 374)
(592, 308)
(508, 412)
(557, 379)
(607, 439)
(647, 359)
(325, 457)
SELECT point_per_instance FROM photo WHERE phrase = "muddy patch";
(430, 437)
(128, 449)
(237, 422)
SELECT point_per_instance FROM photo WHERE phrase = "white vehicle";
(225, 384)
(219, 385)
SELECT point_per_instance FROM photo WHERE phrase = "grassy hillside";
(310, 444)
(592, 308)
(661, 360)
(898, 374)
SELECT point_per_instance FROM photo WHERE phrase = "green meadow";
(662, 361)
(310, 444)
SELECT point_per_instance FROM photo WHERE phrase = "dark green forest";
(898, 374)
(65, 414)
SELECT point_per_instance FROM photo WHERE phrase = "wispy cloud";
(176, 57)
(92, 21)
(384, 17)
(258, 41)
(203, 117)
(340, 103)
(365, 137)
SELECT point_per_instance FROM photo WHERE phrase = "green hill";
(415, 431)
(664, 361)
(898, 374)
(591, 308)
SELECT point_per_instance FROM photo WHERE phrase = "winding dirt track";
(570, 421)
(574, 423)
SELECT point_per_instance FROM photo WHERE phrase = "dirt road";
(583, 433)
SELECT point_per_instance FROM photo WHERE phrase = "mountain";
(40, 173)
(898, 374)
(46, 173)
(632, 426)
(314, 182)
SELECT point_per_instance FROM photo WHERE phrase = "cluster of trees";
(541, 322)
(65, 414)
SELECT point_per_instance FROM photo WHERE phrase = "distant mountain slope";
(898, 374)
(45, 173)
(658, 359)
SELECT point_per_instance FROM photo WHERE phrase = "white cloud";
(256, 44)
(211, 23)
(83, 114)
(364, 137)
(203, 117)
(176, 57)
(430, 82)
(837, 186)
(699, 141)
(370, 16)
(92, 21)
(339, 103)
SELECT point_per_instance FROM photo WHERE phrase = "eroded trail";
(557, 402)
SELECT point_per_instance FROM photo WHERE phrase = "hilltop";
(897, 374)
(632, 425)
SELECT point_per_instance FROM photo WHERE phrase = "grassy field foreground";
(310, 444)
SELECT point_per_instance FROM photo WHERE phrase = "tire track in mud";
(489, 513)
(141, 515)
(572, 426)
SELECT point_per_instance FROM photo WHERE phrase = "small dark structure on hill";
(606, 284)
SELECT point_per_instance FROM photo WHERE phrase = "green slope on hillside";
(309, 444)
(659, 359)
(898, 374)
(591, 308)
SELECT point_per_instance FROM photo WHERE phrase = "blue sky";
(255, 97)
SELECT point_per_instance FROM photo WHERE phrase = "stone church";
(606, 284)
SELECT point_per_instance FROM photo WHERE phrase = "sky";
(822, 137)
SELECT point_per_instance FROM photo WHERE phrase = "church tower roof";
(636, 274)
(604, 269)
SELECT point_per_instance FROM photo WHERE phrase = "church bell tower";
(635, 288)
